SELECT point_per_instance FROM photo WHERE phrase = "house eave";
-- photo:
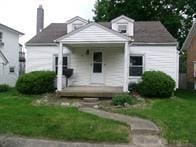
(41, 44)
(154, 44)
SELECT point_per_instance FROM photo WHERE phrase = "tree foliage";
(176, 15)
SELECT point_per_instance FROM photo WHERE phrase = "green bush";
(156, 84)
(4, 88)
(37, 82)
(122, 99)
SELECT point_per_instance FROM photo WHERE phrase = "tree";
(176, 15)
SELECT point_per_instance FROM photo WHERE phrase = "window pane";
(97, 67)
(97, 57)
(135, 71)
(136, 60)
(64, 64)
(122, 28)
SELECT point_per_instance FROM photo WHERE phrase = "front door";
(97, 76)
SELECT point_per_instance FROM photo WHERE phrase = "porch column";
(60, 68)
(126, 67)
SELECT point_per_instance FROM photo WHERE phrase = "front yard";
(176, 116)
(18, 116)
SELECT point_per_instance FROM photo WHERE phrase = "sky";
(21, 14)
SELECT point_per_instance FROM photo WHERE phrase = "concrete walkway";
(144, 134)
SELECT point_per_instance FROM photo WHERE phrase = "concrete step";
(90, 104)
(143, 127)
(147, 140)
(90, 99)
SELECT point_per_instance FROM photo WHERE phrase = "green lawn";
(177, 116)
(19, 117)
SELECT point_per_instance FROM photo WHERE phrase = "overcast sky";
(21, 14)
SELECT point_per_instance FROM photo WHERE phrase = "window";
(12, 70)
(65, 65)
(97, 62)
(122, 28)
(1, 36)
(136, 66)
(76, 26)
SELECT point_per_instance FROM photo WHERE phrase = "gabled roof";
(10, 29)
(95, 24)
(77, 18)
(190, 36)
(144, 32)
(122, 17)
(2, 56)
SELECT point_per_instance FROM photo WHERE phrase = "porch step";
(90, 99)
(90, 104)
(90, 92)
(87, 94)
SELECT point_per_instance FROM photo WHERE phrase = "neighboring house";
(9, 55)
(103, 53)
(190, 47)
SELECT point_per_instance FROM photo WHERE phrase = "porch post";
(126, 67)
(60, 68)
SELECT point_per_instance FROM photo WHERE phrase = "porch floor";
(91, 91)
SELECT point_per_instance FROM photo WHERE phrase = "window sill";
(135, 77)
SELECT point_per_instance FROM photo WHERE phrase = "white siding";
(112, 66)
(41, 58)
(93, 33)
(11, 52)
(163, 58)
(81, 63)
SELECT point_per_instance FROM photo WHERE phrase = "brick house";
(190, 46)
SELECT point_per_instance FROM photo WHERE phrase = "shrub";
(156, 84)
(4, 88)
(122, 99)
(37, 82)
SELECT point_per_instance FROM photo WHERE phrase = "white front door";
(97, 76)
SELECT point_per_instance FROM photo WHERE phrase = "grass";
(19, 117)
(176, 116)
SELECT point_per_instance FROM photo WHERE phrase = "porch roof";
(94, 32)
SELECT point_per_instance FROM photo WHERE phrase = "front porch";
(91, 91)
(99, 59)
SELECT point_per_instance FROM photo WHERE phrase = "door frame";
(91, 70)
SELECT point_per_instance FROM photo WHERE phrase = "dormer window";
(77, 26)
(122, 28)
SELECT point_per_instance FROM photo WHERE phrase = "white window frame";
(123, 24)
(143, 66)
(77, 25)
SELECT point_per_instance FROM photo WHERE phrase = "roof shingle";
(144, 32)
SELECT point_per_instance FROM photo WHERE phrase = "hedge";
(37, 82)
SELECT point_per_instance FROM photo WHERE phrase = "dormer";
(124, 25)
(75, 23)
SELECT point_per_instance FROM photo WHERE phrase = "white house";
(9, 55)
(103, 54)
